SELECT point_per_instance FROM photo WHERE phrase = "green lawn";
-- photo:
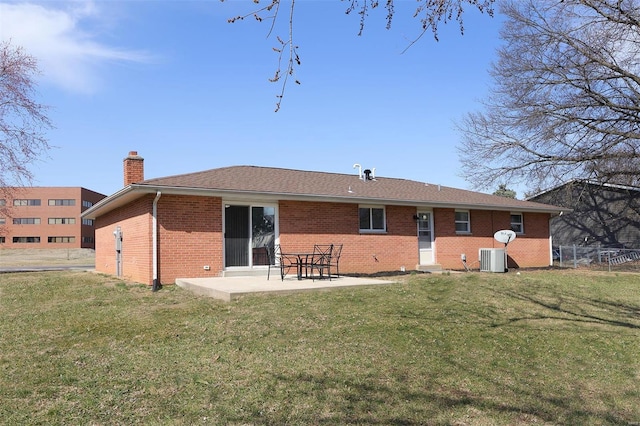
(545, 347)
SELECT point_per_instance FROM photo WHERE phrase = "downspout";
(154, 257)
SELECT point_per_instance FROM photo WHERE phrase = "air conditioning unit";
(492, 260)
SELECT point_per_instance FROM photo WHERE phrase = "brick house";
(206, 223)
(46, 217)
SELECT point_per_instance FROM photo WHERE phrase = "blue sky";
(174, 81)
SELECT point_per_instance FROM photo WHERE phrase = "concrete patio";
(230, 288)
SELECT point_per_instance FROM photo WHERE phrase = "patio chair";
(284, 262)
(271, 258)
(321, 261)
(335, 258)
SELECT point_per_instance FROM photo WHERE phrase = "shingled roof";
(287, 182)
(280, 184)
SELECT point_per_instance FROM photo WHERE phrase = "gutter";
(90, 213)
(137, 190)
(154, 257)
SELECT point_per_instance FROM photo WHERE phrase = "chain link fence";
(599, 258)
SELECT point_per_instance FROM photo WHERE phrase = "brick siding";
(135, 222)
(190, 237)
(303, 224)
(44, 212)
(530, 249)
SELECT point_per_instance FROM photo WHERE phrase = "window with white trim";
(463, 222)
(517, 223)
(372, 219)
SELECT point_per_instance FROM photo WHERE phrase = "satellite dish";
(505, 236)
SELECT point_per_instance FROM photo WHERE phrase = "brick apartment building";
(46, 217)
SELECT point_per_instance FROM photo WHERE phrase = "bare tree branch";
(294, 59)
(429, 12)
(565, 102)
(23, 121)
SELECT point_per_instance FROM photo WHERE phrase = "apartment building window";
(2, 240)
(463, 223)
(17, 240)
(26, 202)
(87, 222)
(86, 203)
(26, 221)
(62, 221)
(3, 202)
(517, 223)
(64, 202)
(88, 240)
(61, 239)
(2, 220)
(372, 219)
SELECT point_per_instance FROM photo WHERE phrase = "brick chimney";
(133, 168)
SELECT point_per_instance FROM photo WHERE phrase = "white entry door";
(425, 238)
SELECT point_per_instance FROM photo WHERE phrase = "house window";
(2, 220)
(62, 221)
(66, 202)
(26, 202)
(2, 240)
(3, 202)
(463, 224)
(26, 221)
(517, 224)
(87, 222)
(372, 219)
(61, 239)
(17, 240)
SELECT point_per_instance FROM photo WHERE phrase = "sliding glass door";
(249, 233)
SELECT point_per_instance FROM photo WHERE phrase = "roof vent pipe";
(370, 174)
(359, 167)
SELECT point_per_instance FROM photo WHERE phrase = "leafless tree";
(23, 121)
(430, 13)
(565, 100)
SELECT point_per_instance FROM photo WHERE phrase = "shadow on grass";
(576, 309)
(350, 401)
(542, 406)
